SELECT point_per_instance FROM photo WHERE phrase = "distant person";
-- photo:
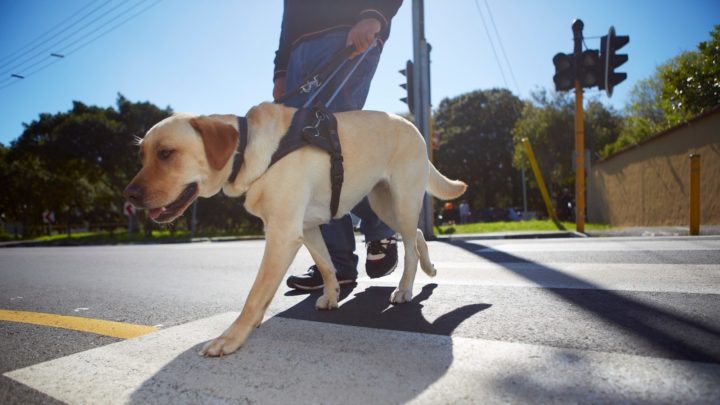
(565, 205)
(464, 209)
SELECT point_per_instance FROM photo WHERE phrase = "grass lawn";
(115, 238)
(513, 226)
(121, 237)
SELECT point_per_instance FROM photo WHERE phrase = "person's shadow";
(290, 360)
(370, 308)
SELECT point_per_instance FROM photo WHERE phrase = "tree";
(548, 121)
(476, 145)
(679, 89)
(75, 163)
(692, 83)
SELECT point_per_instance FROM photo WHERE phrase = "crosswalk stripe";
(286, 360)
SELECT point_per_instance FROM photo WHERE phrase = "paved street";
(569, 320)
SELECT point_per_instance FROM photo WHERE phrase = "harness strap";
(317, 127)
(242, 144)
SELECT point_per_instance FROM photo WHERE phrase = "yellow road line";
(98, 326)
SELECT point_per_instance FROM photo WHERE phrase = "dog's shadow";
(370, 308)
(291, 360)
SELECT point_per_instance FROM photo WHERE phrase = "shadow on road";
(287, 360)
(370, 308)
(670, 334)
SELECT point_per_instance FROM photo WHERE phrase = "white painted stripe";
(593, 245)
(677, 278)
(291, 361)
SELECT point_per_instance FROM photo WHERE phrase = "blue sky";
(216, 56)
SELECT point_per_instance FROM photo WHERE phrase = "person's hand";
(279, 88)
(362, 35)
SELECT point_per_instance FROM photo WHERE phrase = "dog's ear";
(219, 139)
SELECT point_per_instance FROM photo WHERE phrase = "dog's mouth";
(175, 208)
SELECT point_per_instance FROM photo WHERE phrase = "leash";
(319, 80)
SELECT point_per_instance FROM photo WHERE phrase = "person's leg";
(381, 258)
(339, 237)
(305, 59)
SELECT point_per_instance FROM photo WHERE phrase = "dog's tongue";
(155, 212)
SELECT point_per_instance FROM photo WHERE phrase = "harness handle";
(322, 75)
(326, 73)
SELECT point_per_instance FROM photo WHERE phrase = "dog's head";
(183, 157)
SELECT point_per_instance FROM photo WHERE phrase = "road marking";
(593, 246)
(288, 359)
(97, 326)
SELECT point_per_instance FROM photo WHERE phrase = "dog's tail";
(442, 187)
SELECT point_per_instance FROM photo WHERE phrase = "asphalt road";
(529, 320)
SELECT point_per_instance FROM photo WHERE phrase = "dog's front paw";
(221, 346)
(400, 296)
(326, 302)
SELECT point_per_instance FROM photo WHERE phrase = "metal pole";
(524, 191)
(421, 86)
(193, 220)
(577, 28)
(541, 184)
(694, 194)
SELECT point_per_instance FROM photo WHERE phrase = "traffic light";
(408, 85)
(611, 60)
(590, 71)
(564, 72)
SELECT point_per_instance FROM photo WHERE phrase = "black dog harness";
(314, 126)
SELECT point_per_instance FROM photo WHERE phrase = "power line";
(12, 55)
(27, 51)
(502, 47)
(492, 45)
(57, 44)
(84, 44)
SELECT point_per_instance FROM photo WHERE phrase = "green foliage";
(681, 88)
(476, 145)
(692, 84)
(549, 124)
(77, 163)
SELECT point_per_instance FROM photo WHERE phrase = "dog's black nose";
(134, 194)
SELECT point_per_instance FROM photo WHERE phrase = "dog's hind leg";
(318, 250)
(395, 206)
(424, 254)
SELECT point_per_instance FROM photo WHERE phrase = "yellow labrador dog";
(385, 158)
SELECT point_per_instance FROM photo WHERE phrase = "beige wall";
(649, 185)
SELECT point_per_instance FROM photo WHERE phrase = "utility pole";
(586, 69)
(577, 28)
(421, 86)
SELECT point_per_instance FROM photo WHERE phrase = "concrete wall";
(649, 184)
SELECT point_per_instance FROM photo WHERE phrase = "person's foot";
(312, 280)
(382, 257)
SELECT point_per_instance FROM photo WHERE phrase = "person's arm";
(374, 19)
(282, 55)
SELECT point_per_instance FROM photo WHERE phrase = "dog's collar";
(242, 144)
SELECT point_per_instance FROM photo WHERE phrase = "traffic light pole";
(577, 28)
(421, 86)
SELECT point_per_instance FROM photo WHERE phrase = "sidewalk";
(659, 231)
(640, 231)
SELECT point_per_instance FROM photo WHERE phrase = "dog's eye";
(164, 154)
